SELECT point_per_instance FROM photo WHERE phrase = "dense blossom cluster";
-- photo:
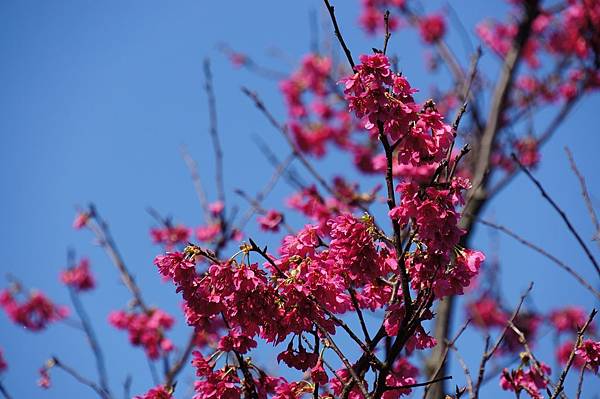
(383, 101)
(145, 329)
(34, 313)
(79, 277)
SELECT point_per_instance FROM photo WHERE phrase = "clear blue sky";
(98, 97)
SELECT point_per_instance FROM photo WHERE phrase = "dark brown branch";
(544, 253)
(562, 214)
(338, 34)
(391, 201)
(363, 325)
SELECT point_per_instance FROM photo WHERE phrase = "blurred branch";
(106, 241)
(214, 133)
(197, 181)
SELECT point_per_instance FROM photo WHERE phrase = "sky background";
(97, 99)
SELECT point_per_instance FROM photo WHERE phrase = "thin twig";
(585, 194)
(197, 181)
(562, 214)
(544, 253)
(580, 383)
(127, 387)
(214, 133)
(446, 350)
(338, 34)
(4, 391)
(69, 370)
(106, 241)
(181, 362)
(92, 339)
(488, 353)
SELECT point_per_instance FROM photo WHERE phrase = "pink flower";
(208, 233)
(568, 319)
(270, 221)
(170, 236)
(531, 380)
(432, 28)
(216, 207)
(159, 392)
(3, 364)
(79, 277)
(487, 313)
(44, 380)
(81, 220)
(589, 351)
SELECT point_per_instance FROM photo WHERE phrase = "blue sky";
(97, 99)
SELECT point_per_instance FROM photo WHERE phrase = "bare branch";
(488, 353)
(562, 214)
(73, 373)
(544, 253)
(585, 194)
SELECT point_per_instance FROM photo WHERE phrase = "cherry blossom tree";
(358, 301)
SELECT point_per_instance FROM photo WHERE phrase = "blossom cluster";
(145, 329)
(34, 313)
(79, 277)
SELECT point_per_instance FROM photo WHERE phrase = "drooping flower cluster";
(383, 99)
(79, 277)
(34, 313)
(145, 329)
